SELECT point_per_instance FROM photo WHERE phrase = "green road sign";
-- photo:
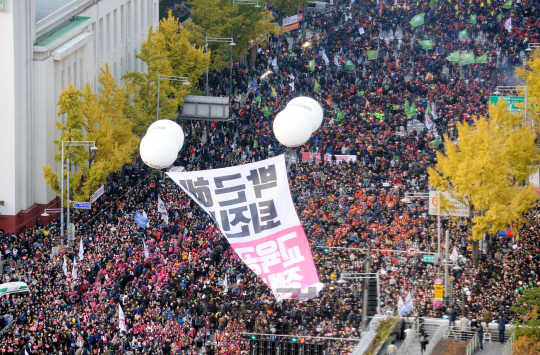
(511, 101)
(428, 258)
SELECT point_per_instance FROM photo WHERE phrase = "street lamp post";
(426, 196)
(501, 89)
(181, 79)
(221, 40)
(68, 144)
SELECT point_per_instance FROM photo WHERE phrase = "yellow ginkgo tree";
(93, 117)
(488, 170)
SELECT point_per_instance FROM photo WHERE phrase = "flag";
(64, 267)
(291, 84)
(407, 107)
(121, 319)
(428, 109)
(97, 194)
(463, 33)
(499, 17)
(74, 269)
(454, 256)
(255, 144)
(145, 248)
(81, 250)
(336, 61)
(255, 85)
(400, 307)
(161, 205)
(429, 122)
(258, 98)
(426, 44)
(316, 86)
(311, 65)
(274, 92)
(226, 283)
(266, 111)
(434, 111)
(291, 76)
(372, 55)
(417, 20)
(433, 3)
(339, 115)
(141, 219)
(507, 5)
(329, 100)
(454, 57)
(361, 30)
(435, 143)
(466, 58)
(409, 305)
(482, 59)
(411, 110)
(349, 65)
(508, 25)
(325, 58)
(472, 19)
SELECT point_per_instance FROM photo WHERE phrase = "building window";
(115, 30)
(101, 48)
(122, 25)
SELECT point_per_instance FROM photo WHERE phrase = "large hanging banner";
(253, 208)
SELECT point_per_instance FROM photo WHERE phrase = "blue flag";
(141, 220)
(255, 85)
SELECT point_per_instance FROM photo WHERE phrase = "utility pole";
(446, 264)
(365, 294)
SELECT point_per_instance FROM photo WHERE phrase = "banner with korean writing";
(253, 208)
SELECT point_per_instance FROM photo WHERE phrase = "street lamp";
(181, 79)
(221, 40)
(407, 199)
(501, 89)
(69, 144)
(246, 2)
(531, 46)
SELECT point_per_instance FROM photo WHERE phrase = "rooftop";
(46, 7)
(60, 30)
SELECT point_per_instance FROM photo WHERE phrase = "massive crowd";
(174, 300)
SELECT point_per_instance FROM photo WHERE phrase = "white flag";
(292, 76)
(74, 270)
(291, 84)
(429, 122)
(163, 210)
(146, 254)
(226, 283)
(336, 61)
(121, 319)
(508, 25)
(64, 267)
(325, 58)
(361, 30)
(454, 256)
(97, 194)
(400, 307)
(434, 111)
(409, 305)
(81, 251)
(146, 217)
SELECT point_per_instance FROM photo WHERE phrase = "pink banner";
(252, 206)
(307, 156)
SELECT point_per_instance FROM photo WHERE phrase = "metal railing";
(473, 345)
(433, 342)
(411, 336)
(508, 345)
(6, 328)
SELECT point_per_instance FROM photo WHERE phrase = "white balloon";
(171, 128)
(292, 126)
(158, 149)
(314, 109)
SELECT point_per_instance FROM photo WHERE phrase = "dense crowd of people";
(175, 300)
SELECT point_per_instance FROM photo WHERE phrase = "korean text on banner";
(253, 208)
(97, 194)
(292, 19)
(461, 209)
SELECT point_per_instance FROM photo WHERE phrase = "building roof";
(61, 30)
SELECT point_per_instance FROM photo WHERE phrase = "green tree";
(166, 51)
(528, 333)
(287, 7)
(93, 117)
(487, 170)
(218, 18)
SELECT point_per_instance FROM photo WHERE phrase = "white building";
(70, 41)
